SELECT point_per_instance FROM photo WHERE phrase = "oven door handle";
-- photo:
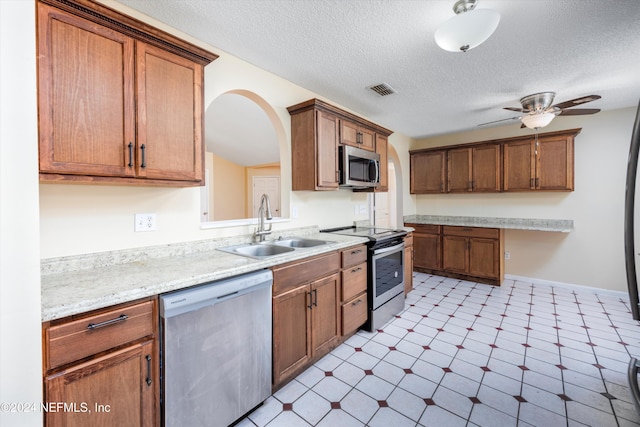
(397, 247)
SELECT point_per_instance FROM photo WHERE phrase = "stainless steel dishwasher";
(216, 350)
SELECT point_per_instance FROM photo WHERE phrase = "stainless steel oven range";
(385, 276)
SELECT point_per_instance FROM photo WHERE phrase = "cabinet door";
(356, 136)
(408, 269)
(325, 313)
(484, 257)
(116, 389)
(554, 164)
(327, 151)
(427, 251)
(427, 172)
(291, 332)
(459, 170)
(381, 149)
(169, 115)
(519, 165)
(487, 168)
(85, 96)
(367, 139)
(455, 257)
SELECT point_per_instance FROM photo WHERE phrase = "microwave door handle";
(377, 168)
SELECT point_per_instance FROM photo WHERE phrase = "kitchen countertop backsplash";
(77, 284)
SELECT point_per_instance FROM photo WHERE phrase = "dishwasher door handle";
(226, 296)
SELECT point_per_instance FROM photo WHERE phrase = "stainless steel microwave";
(357, 167)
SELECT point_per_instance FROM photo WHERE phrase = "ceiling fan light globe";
(467, 30)
(537, 121)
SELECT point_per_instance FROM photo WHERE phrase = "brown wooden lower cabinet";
(111, 390)
(408, 263)
(473, 253)
(103, 366)
(317, 303)
(305, 324)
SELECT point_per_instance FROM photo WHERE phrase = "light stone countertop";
(77, 284)
(557, 225)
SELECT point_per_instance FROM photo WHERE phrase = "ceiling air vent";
(382, 89)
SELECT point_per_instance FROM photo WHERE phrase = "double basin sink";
(271, 248)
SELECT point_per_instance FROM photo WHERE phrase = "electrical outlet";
(294, 212)
(507, 255)
(145, 222)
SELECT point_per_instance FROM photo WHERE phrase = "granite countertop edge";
(116, 277)
(533, 224)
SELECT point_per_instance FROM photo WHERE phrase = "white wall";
(20, 336)
(593, 253)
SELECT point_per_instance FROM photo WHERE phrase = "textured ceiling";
(337, 48)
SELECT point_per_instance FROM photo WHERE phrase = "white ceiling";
(337, 48)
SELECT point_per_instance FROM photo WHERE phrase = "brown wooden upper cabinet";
(428, 172)
(118, 101)
(317, 129)
(357, 136)
(542, 164)
(474, 169)
(511, 164)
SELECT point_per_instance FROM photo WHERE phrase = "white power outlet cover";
(145, 222)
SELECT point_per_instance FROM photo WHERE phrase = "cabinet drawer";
(354, 281)
(354, 313)
(425, 228)
(289, 276)
(489, 233)
(98, 332)
(353, 256)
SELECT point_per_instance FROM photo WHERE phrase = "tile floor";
(469, 354)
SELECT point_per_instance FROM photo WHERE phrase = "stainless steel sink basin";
(299, 242)
(272, 248)
(257, 250)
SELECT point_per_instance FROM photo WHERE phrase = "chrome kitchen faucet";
(262, 213)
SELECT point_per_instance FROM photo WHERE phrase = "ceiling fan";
(539, 112)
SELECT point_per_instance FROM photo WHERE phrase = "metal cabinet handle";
(353, 304)
(355, 270)
(130, 146)
(315, 297)
(118, 319)
(356, 251)
(309, 306)
(144, 162)
(148, 380)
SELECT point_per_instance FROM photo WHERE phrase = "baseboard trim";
(582, 288)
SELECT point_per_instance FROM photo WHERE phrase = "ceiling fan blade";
(519, 110)
(578, 112)
(501, 120)
(577, 101)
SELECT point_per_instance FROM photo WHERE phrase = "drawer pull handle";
(148, 380)
(353, 304)
(355, 270)
(120, 318)
(315, 297)
(356, 252)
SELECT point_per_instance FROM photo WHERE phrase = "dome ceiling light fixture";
(469, 28)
